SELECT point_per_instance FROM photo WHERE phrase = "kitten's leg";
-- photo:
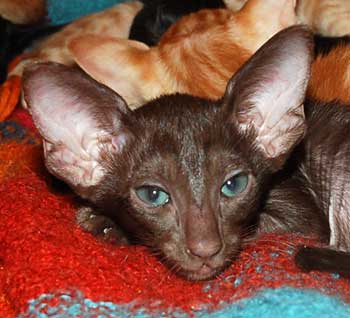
(300, 215)
(331, 173)
(92, 221)
(290, 208)
(337, 257)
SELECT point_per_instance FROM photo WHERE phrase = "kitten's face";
(192, 185)
(189, 172)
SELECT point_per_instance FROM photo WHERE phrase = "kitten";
(209, 44)
(206, 44)
(157, 16)
(147, 22)
(188, 176)
(113, 22)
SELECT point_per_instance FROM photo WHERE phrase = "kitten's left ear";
(80, 120)
(265, 97)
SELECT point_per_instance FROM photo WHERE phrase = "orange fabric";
(15, 61)
(10, 92)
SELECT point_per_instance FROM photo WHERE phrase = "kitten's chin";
(203, 273)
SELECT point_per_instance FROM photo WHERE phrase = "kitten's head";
(189, 171)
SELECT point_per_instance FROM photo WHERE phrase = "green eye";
(235, 185)
(152, 196)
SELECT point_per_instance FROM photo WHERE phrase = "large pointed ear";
(123, 65)
(79, 119)
(266, 95)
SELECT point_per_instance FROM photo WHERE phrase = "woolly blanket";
(49, 267)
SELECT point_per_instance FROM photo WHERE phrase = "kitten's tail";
(323, 259)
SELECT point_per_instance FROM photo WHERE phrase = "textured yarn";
(285, 302)
(66, 11)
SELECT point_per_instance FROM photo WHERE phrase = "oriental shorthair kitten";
(192, 177)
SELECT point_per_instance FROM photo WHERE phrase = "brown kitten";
(184, 175)
(197, 55)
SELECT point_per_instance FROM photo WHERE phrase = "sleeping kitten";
(209, 44)
(148, 22)
(157, 16)
(189, 176)
(206, 44)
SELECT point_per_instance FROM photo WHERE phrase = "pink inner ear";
(118, 142)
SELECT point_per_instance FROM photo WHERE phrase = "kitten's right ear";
(265, 97)
(123, 65)
(79, 119)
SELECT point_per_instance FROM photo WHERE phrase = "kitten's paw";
(100, 225)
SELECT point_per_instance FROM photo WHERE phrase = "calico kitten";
(157, 16)
(189, 176)
(209, 44)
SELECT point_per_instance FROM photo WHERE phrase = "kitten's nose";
(202, 233)
(204, 248)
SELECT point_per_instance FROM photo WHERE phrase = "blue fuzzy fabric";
(270, 303)
(64, 11)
